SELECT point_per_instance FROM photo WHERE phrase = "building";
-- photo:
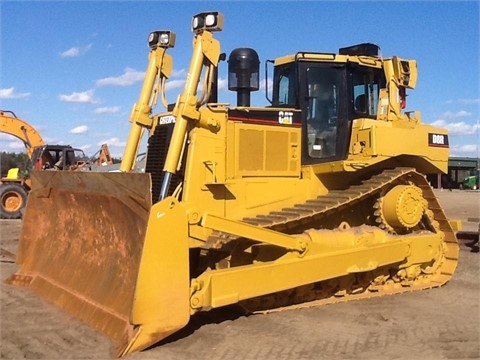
(458, 169)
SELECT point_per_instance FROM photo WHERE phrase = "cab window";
(284, 87)
(366, 88)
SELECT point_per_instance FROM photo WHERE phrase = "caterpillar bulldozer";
(319, 197)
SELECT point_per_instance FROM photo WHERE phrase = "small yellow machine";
(320, 197)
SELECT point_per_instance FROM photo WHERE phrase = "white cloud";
(468, 150)
(75, 51)
(179, 83)
(82, 129)
(458, 114)
(85, 148)
(269, 84)
(182, 73)
(457, 128)
(107, 110)
(222, 84)
(6, 137)
(9, 93)
(470, 101)
(85, 97)
(54, 140)
(129, 77)
(72, 52)
(177, 80)
(11, 142)
(113, 142)
(16, 145)
(13, 145)
(174, 84)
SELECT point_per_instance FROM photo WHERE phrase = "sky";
(74, 69)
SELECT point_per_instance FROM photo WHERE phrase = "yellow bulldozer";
(317, 198)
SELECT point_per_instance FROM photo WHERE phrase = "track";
(330, 211)
(423, 325)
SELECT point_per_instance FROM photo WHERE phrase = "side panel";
(265, 173)
(263, 170)
(374, 141)
(266, 151)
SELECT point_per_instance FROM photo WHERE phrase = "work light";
(165, 39)
(211, 21)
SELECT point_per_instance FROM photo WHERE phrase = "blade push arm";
(159, 69)
(206, 52)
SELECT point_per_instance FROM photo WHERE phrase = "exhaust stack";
(243, 74)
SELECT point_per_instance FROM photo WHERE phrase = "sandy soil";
(440, 323)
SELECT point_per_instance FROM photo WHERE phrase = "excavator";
(319, 197)
(102, 157)
(14, 189)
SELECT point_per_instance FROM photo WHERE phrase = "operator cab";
(332, 90)
(57, 157)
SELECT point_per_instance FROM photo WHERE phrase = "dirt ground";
(442, 323)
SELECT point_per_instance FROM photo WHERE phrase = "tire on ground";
(13, 198)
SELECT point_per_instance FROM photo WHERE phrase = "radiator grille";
(156, 155)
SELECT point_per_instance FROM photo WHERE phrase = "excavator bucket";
(92, 244)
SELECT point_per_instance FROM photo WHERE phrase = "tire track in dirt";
(37, 330)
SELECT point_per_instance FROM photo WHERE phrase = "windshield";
(322, 109)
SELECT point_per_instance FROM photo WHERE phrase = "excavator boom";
(12, 125)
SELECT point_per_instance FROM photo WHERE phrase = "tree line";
(14, 160)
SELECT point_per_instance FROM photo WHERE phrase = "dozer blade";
(92, 244)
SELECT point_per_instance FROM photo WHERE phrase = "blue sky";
(74, 69)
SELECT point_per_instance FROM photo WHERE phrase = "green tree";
(13, 160)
